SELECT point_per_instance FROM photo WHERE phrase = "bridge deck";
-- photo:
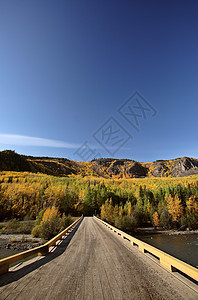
(93, 264)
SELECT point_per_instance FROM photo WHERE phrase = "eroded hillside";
(104, 167)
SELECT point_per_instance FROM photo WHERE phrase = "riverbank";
(11, 244)
(152, 230)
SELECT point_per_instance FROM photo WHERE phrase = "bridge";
(93, 262)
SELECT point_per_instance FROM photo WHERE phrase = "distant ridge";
(104, 167)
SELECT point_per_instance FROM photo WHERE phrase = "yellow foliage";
(175, 208)
(24, 193)
(103, 212)
(107, 211)
(128, 208)
(51, 223)
(120, 211)
(192, 205)
(50, 213)
(156, 219)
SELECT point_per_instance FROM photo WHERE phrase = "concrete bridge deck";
(92, 263)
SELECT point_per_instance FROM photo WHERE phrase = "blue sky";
(66, 68)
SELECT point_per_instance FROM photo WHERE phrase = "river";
(184, 247)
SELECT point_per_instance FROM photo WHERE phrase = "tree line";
(126, 203)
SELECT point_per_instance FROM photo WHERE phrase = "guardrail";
(41, 250)
(167, 261)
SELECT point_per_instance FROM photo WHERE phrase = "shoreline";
(14, 243)
(152, 230)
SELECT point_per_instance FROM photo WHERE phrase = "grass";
(15, 226)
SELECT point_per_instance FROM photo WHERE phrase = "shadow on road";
(60, 249)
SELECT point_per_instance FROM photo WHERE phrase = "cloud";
(22, 140)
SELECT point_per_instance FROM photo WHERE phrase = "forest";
(126, 203)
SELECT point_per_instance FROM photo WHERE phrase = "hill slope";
(105, 167)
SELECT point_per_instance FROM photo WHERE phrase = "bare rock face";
(184, 166)
(122, 166)
(137, 170)
(104, 162)
(117, 167)
(159, 169)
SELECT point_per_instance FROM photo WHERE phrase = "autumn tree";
(128, 208)
(175, 208)
(107, 210)
(191, 219)
(156, 219)
(192, 205)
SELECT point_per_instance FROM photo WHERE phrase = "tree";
(156, 219)
(140, 198)
(192, 205)
(175, 208)
(90, 202)
(128, 208)
(107, 211)
(191, 219)
(103, 212)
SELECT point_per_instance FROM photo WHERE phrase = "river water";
(184, 247)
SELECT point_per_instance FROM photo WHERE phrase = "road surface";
(93, 263)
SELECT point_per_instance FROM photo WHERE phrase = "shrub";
(118, 222)
(127, 223)
(27, 217)
(26, 227)
(12, 226)
(36, 232)
(13, 240)
(39, 217)
(66, 221)
(23, 239)
(51, 223)
(165, 221)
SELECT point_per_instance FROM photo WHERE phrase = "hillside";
(104, 167)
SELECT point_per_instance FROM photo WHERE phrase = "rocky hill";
(105, 167)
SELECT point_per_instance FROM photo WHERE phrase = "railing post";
(4, 268)
(164, 263)
(43, 250)
(141, 248)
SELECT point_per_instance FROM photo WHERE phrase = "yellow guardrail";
(167, 261)
(41, 250)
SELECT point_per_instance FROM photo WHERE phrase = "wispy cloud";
(22, 140)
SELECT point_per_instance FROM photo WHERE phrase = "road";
(93, 263)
